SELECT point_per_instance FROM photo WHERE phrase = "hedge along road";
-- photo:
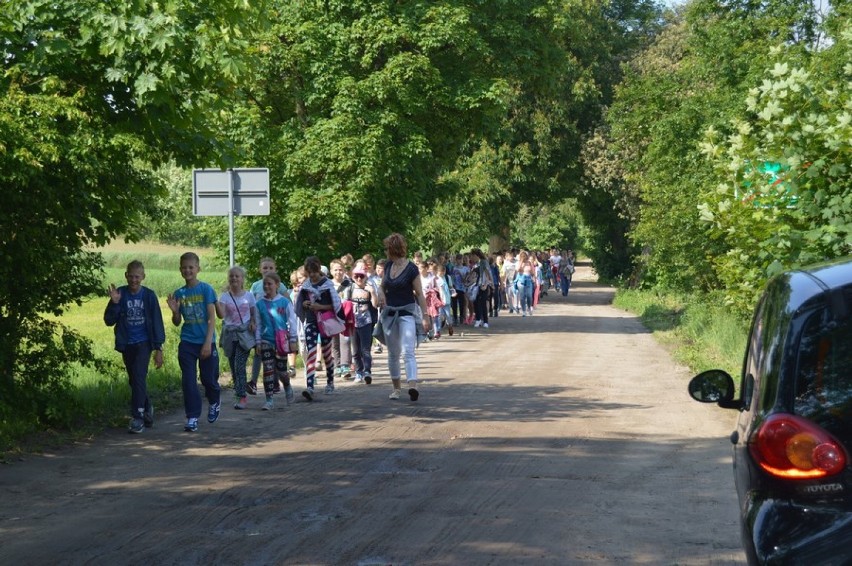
(562, 438)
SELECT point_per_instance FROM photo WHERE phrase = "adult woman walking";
(402, 294)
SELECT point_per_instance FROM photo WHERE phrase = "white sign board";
(212, 196)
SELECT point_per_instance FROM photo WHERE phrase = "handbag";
(473, 291)
(282, 342)
(244, 336)
(329, 324)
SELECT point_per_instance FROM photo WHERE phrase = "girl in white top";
(240, 332)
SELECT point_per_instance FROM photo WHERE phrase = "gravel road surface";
(562, 438)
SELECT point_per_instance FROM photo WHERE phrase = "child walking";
(195, 305)
(445, 318)
(275, 314)
(317, 294)
(267, 265)
(240, 331)
(365, 301)
(134, 311)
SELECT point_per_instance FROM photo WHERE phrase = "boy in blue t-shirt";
(195, 304)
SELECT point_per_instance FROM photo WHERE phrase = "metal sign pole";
(231, 210)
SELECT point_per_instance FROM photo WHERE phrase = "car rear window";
(824, 377)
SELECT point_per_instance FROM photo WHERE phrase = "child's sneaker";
(213, 412)
(394, 394)
(136, 426)
(251, 388)
(358, 378)
(288, 392)
(329, 389)
(242, 403)
(191, 425)
(368, 379)
(413, 394)
(268, 406)
(308, 393)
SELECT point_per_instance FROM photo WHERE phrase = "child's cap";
(359, 271)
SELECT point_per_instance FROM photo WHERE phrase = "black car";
(794, 430)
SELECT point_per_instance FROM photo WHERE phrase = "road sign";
(235, 192)
(212, 196)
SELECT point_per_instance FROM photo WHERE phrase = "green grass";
(700, 334)
(164, 281)
(158, 256)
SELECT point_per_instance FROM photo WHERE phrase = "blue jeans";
(189, 358)
(362, 338)
(566, 284)
(136, 359)
(527, 297)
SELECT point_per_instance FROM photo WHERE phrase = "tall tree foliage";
(91, 95)
(695, 76)
(359, 106)
(784, 196)
(433, 118)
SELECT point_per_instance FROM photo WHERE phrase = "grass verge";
(700, 333)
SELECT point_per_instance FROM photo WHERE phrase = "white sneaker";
(394, 396)
(477, 324)
(484, 325)
(268, 406)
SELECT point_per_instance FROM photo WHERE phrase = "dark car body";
(794, 429)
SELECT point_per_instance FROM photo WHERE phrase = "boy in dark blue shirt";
(134, 311)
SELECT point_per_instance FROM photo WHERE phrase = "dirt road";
(562, 438)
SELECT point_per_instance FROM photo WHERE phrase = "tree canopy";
(92, 96)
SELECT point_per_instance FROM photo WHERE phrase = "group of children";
(276, 323)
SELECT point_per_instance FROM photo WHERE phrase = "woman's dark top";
(399, 291)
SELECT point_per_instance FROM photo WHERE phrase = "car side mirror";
(713, 386)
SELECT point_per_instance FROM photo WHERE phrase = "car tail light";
(791, 447)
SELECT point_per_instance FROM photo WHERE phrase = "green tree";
(696, 75)
(170, 219)
(799, 122)
(92, 95)
(436, 119)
